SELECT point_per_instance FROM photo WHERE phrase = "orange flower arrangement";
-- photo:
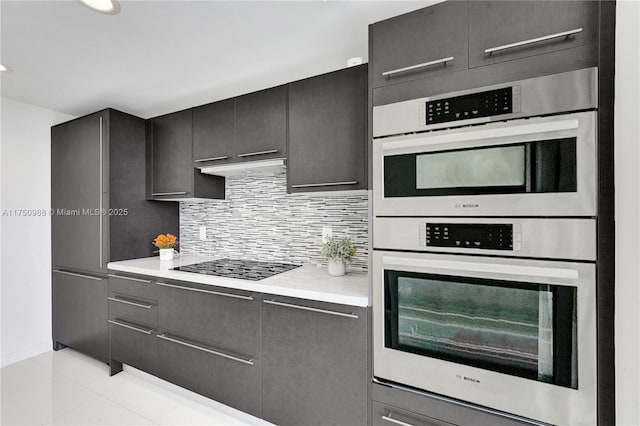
(165, 241)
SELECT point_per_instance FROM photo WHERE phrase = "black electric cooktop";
(235, 268)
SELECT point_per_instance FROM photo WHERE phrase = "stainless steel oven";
(528, 148)
(515, 335)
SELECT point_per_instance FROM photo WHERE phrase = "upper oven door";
(542, 166)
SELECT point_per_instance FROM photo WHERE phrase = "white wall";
(25, 183)
(627, 176)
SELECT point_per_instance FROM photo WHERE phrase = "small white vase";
(166, 254)
(336, 268)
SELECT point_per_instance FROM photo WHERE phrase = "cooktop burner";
(234, 268)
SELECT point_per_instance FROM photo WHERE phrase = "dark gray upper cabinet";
(327, 132)
(214, 133)
(172, 175)
(533, 26)
(423, 40)
(79, 182)
(261, 125)
(314, 363)
(172, 154)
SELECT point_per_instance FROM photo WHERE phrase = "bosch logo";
(467, 206)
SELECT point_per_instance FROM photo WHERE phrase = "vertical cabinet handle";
(101, 183)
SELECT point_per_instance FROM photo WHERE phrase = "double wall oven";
(484, 239)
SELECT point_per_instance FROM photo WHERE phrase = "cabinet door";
(261, 125)
(525, 28)
(214, 133)
(386, 415)
(420, 41)
(133, 344)
(78, 191)
(327, 132)
(172, 155)
(79, 305)
(314, 363)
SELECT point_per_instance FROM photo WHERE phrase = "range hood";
(235, 169)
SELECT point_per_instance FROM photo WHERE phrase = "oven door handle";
(498, 269)
(497, 136)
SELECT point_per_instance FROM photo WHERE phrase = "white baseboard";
(25, 353)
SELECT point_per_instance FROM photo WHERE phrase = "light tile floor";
(68, 388)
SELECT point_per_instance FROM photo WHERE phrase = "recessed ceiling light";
(109, 7)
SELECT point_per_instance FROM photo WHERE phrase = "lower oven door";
(515, 335)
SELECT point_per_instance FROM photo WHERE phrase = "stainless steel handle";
(207, 350)
(311, 185)
(101, 179)
(131, 327)
(122, 277)
(224, 157)
(217, 293)
(565, 34)
(169, 193)
(78, 275)
(251, 154)
(388, 418)
(390, 73)
(307, 308)
(128, 302)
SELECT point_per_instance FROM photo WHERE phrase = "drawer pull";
(564, 34)
(128, 302)
(217, 293)
(122, 277)
(311, 185)
(388, 418)
(251, 154)
(391, 73)
(207, 350)
(224, 157)
(73, 274)
(169, 193)
(307, 308)
(131, 327)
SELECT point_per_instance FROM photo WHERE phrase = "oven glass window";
(488, 167)
(526, 330)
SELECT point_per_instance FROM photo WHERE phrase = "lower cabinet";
(314, 363)
(80, 313)
(387, 415)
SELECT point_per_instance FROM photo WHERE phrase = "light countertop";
(306, 282)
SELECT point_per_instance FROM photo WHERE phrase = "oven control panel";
(488, 236)
(475, 105)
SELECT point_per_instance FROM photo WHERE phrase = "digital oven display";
(475, 105)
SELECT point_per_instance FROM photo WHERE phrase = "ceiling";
(156, 57)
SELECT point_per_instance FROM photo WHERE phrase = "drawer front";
(134, 344)
(230, 378)
(133, 286)
(420, 40)
(518, 29)
(133, 309)
(216, 316)
(387, 415)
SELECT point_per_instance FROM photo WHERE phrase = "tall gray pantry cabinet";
(99, 214)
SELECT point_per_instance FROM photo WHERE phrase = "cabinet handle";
(169, 193)
(251, 154)
(73, 274)
(224, 157)
(388, 418)
(564, 34)
(131, 327)
(217, 293)
(128, 302)
(203, 349)
(389, 74)
(307, 308)
(311, 185)
(101, 178)
(122, 277)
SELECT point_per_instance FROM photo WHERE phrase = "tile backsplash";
(260, 221)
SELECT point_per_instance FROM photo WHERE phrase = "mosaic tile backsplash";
(260, 221)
